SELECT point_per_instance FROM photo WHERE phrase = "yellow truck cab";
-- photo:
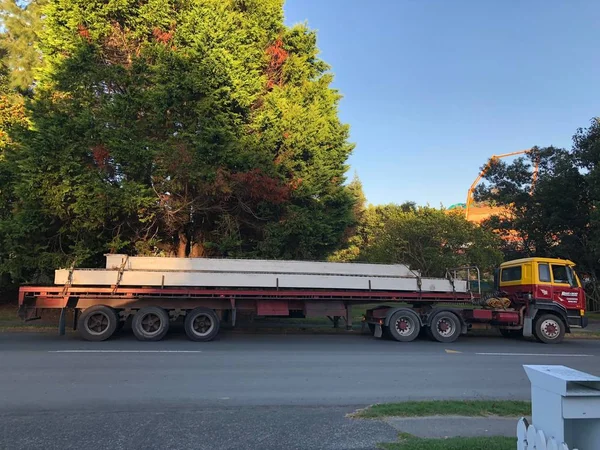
(550, 291)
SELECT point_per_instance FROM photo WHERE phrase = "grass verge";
(409, 442)
(469, 408)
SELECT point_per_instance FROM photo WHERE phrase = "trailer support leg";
(336, 321)
(75, 317)
(62, 322)
(348, 317)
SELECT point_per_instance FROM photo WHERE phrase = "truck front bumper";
(578, 321)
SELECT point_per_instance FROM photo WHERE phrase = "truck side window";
(559, 273)
(511, 273)
(544, 272)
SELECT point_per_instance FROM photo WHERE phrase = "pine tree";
(21, 22)
(188, 128)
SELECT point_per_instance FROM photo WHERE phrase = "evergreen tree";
(187, 128)
(21, 23)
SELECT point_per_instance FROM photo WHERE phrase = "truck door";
(543, 289)
(565, 289)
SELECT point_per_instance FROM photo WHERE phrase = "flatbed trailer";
(99, 311)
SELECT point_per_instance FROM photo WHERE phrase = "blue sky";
(433, 88)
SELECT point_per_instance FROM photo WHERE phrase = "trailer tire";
(445, 327)
(549, 329)
(97, 323)
(150, 323)
(404, 326)
(201, 324)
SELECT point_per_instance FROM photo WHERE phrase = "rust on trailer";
(51, 297)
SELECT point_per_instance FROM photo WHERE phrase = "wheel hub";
(202, 324)
(444, 327)
(404, 326)
(550, 328)
(151, 323)
(97, 323)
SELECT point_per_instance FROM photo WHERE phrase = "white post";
(566, 405)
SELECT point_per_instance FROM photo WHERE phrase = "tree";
(186, 128)
(430, 240)
(21, 22)
(352, 241)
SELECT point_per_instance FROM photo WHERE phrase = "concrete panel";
(256, 265)
(102, 277)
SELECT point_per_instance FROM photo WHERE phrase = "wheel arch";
(552, 308)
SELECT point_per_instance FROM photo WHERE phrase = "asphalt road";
(245, 391)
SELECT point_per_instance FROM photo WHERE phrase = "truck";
(539, 297)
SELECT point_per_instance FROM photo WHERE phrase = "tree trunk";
(197, 250)
(182, 245)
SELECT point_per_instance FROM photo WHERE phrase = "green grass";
(409, 442)
(8, 313)
(470, 408)
(10, 321)
(593, 315)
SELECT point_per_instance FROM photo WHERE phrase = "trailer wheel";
(549, 329)
(404, 326)
(201, 324)
(150, 324)
(97, 323)
(445, 327)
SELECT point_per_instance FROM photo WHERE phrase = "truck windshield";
(563, 274)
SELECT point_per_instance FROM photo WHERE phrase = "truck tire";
(404, 325)
(97, 323)
(445, 327)
(201, 324)
(549, 329)
(150, 324)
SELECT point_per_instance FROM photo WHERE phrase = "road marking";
(125, 351)
(452, 351)
(534, 354)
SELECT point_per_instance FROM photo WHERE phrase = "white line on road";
(533, 354)
(125, 351)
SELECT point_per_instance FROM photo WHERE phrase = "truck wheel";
(405, 326)
(150, 324)
(549, 329)
(201, 324)
(97, 323)
(445, 327)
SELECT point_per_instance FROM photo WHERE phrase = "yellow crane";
(492, 160)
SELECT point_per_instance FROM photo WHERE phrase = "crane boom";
(485, 169)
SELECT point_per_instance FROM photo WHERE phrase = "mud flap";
(378, 331)
(528, 327)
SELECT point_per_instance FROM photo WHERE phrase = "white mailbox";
(566, 405)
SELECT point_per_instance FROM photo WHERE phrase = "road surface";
(265, 391)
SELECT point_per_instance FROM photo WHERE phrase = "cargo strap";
(120, 274)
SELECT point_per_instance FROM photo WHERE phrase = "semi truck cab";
(547, 286)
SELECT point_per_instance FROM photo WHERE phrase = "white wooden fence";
(529, 438)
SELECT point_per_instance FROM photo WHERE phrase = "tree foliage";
(183, 128)
(427, 239)
(21, 22)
